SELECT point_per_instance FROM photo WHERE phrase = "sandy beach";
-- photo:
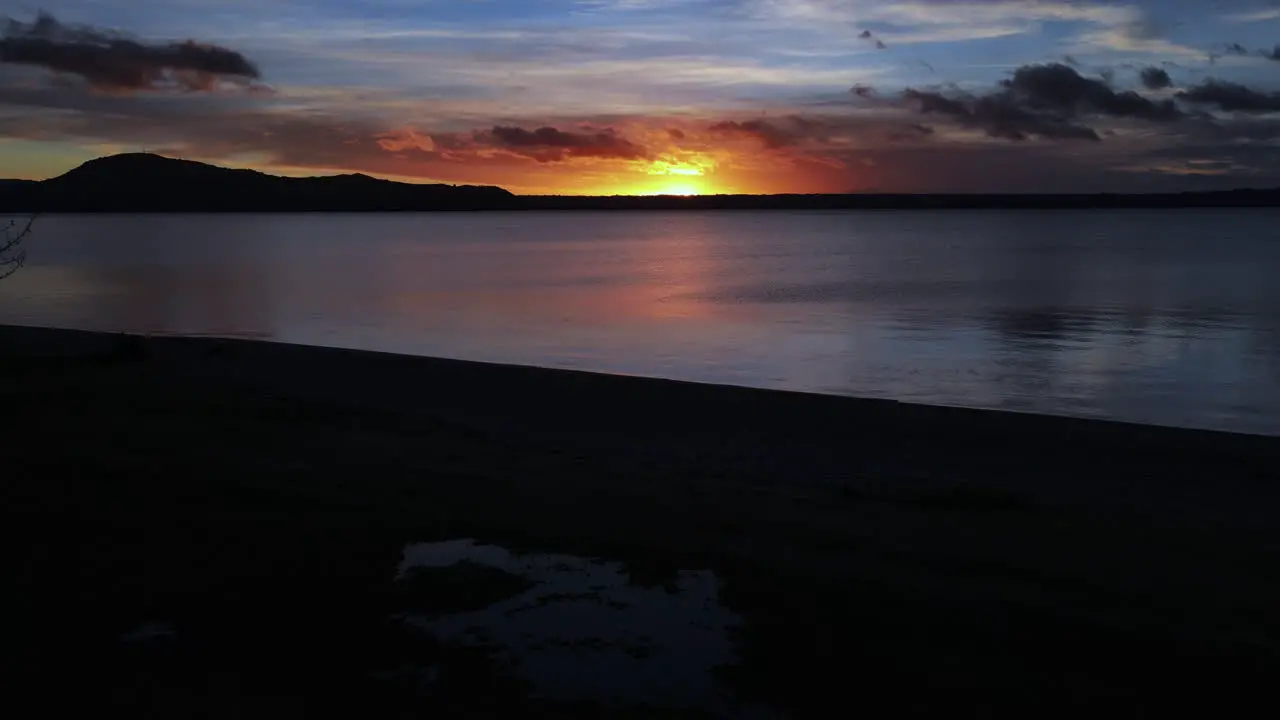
(255, 499)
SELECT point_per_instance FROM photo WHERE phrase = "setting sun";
(683, 175)
(683, 188)
(686, 177)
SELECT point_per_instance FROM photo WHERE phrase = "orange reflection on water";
(658, 269)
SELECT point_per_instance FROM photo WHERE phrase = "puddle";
(581, 630)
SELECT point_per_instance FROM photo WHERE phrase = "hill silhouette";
(142, 182)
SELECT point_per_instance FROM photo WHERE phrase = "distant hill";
(140, 182)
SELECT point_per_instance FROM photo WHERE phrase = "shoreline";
(64, 342)
(669, 203)
(961, 558)
(583, 392)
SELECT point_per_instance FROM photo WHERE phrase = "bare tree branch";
(12, 254)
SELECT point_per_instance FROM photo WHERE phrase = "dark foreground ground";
(888, 559)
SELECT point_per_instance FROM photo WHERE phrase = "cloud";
(997, 116)
(914, 22)
(910, 131)
(1272, 54)
(1254, 16)
(1058, 88)
(1154, 78)
(1130, 28)
(1231, 97)
(770, 135)
(108, 61)
(549, 144)
(1051, 101)
(871, 37)
(403, 139)
(818, 137)
(946, 12)
(1229, 49)
(520, 102)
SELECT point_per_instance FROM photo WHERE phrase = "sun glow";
(680, 178)
(684, 175)
(680, 188)
(696, 166)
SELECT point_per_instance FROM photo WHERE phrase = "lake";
(1158, 317)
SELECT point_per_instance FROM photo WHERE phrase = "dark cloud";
(675, 133)
(909, 132)
(998, 116)
(1244, 131)
(1273, 54)
(815, 137)
(863, 91)
(549, 144)
(1231, 97)
(1060, 89)
(1234, 48)
(871, 37)
(108, 61)
(769, 134)
(1154, 78)
(1047, 101)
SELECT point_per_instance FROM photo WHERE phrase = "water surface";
(1160, 317)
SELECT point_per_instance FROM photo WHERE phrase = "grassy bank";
(933, 559)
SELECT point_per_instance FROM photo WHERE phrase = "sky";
(658, 96)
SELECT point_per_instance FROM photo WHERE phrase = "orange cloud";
(406, 139)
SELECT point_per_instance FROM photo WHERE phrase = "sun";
(684, 188)
(676, 178)
(683, 177)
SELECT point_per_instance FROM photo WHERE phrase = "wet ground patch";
(577, 629)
